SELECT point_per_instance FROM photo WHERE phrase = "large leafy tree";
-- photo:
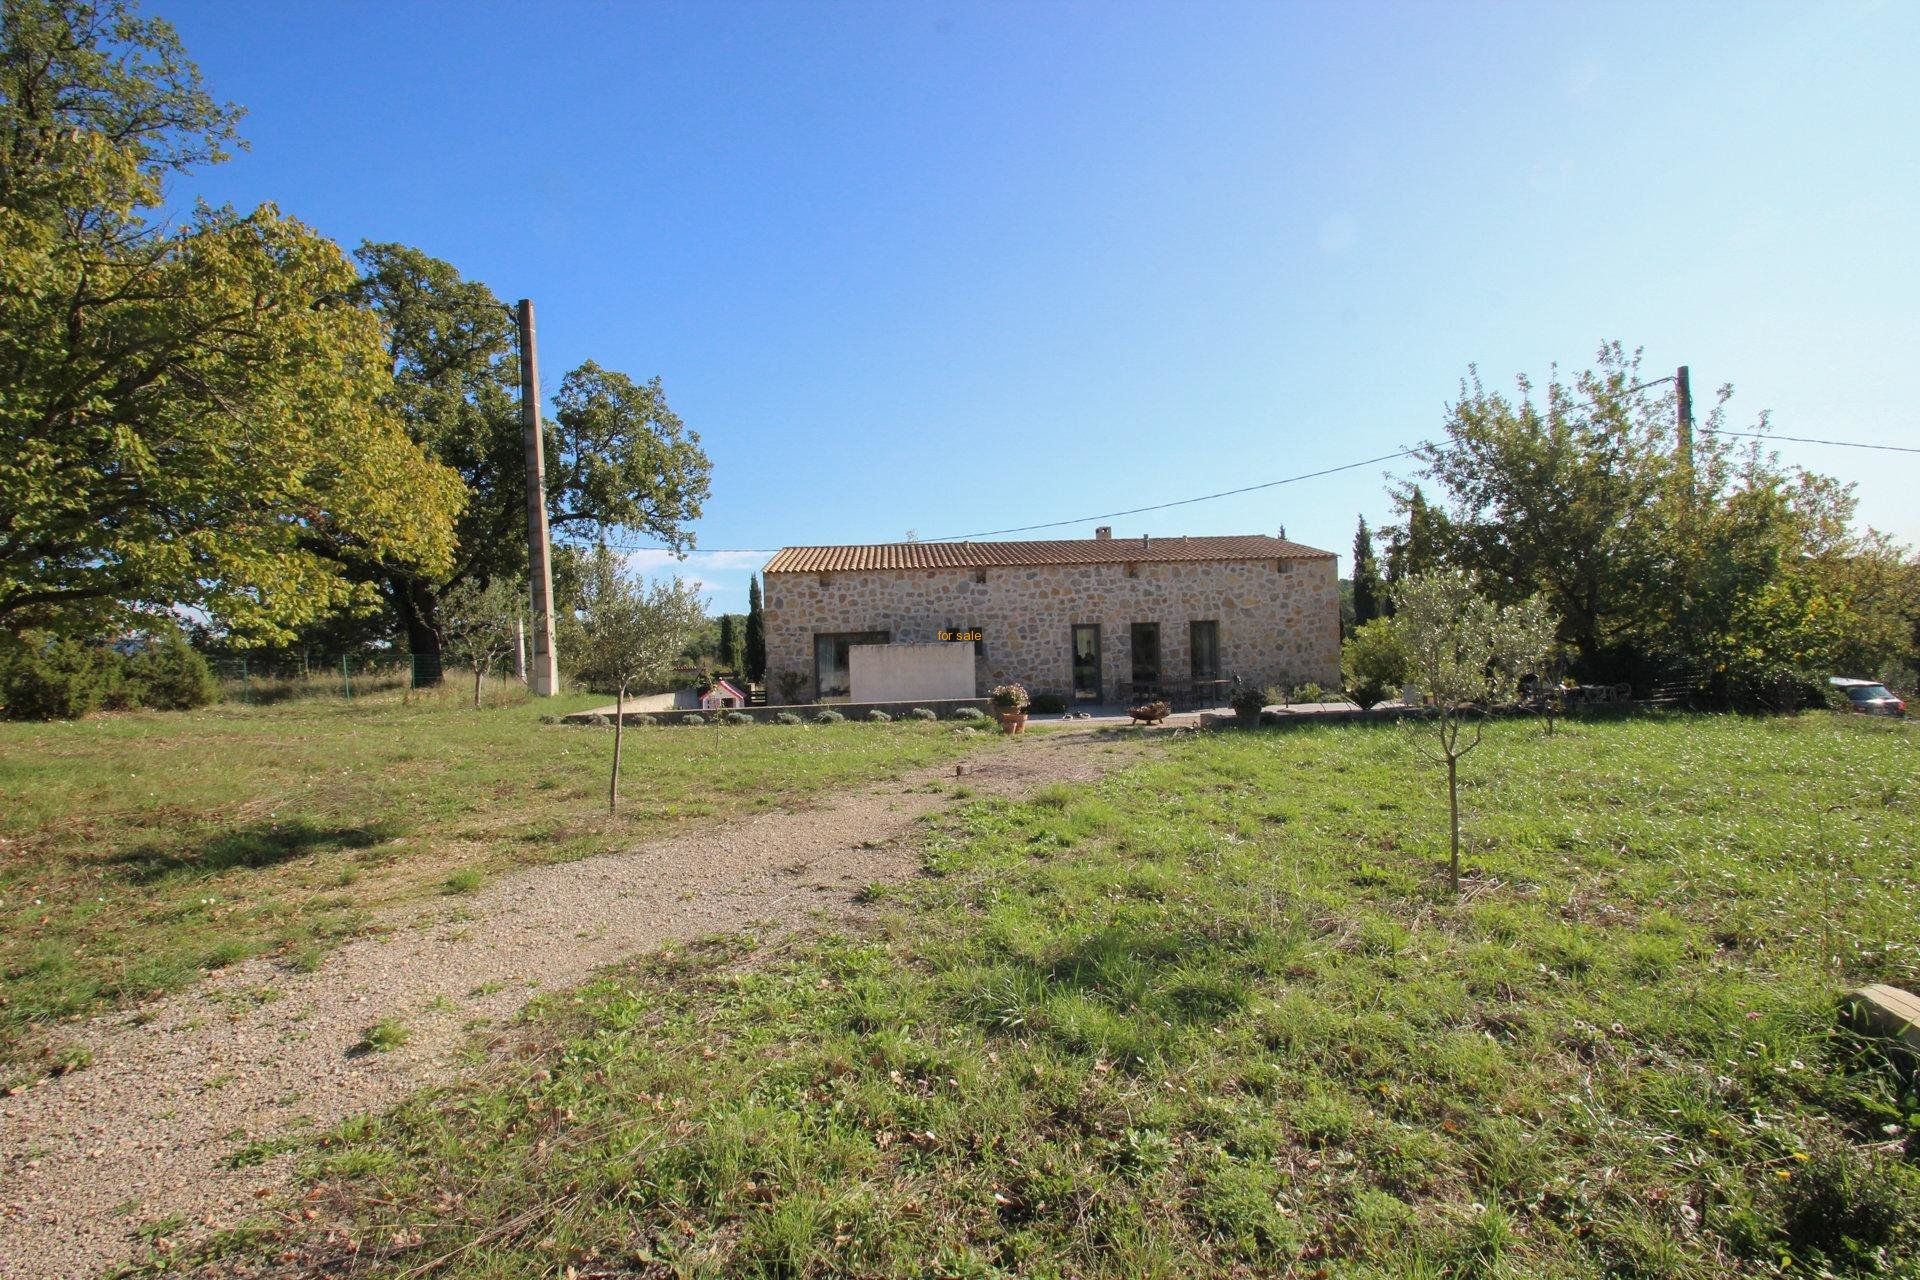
(450, 351)
(1707, 558)
(192, 415)
(1554, 491)
(617, 455)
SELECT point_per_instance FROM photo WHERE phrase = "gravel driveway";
(149, 1131)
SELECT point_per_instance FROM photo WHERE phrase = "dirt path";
(147, 1132)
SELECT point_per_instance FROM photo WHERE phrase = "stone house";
(1093, 620)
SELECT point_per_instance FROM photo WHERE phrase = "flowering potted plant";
(1247, 701)
(1010, 700)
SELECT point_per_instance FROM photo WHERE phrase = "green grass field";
(1218, 1016)
(139, 850)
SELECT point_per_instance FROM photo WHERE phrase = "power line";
(1270, 484)
(1839, 444)
(1055, 524)
(1182, 502)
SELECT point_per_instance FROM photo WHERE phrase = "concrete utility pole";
(543, 674)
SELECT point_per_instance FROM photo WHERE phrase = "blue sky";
(956, 267)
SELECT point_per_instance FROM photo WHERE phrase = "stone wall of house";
(1278, 620)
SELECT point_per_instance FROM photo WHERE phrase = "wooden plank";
(1886, 1012)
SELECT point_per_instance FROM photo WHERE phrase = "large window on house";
(1203, 644)
(1145, 638)
(832, 677)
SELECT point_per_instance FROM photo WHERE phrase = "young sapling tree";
(479, 624)
(634, 634)
(1469, 655)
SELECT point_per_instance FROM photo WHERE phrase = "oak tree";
(191, 417)
(617, 456)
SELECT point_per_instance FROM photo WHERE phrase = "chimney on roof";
(1143, 540)
(1103, 534)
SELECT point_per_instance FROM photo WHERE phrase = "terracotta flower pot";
(1013, 721)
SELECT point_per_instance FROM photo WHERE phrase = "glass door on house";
(832, 676)
(1203, 648)
(1144, 638)
(1086, 664)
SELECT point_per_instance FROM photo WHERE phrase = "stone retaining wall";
(764, 715)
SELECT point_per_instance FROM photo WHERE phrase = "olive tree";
(480, 624)
(1469, 656)
(633, 635)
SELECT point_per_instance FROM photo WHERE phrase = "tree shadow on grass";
(261, 844)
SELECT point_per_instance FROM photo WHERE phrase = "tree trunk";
(1453, 805)
(413, 600)
(619, 725)
(476, 686)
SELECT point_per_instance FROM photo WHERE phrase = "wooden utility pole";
(543, 674)
(1684, 426)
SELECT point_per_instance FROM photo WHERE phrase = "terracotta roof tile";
(985, 555)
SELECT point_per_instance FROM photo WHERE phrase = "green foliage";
(693, 719)
(924, 713)
(1374, 662)
(756, 637)
(616, 455)
(465, 880)
(968, 713)
(787, 717)
(1167, 1026)
(385, 1035)
(878, 716)
(737, 717)
(1367, 587)
(191, 419)
(50, 678)
(1247, 699)
(1655, 555)
(828, 716)
(1467, 655)
(479, 624)
(732, 649)
(1462, 650)
(169, 674)
(633, 632)
(1009, 697)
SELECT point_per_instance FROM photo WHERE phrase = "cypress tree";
(1366, 577)
(756, 633)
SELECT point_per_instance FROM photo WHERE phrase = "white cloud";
(653, 561)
